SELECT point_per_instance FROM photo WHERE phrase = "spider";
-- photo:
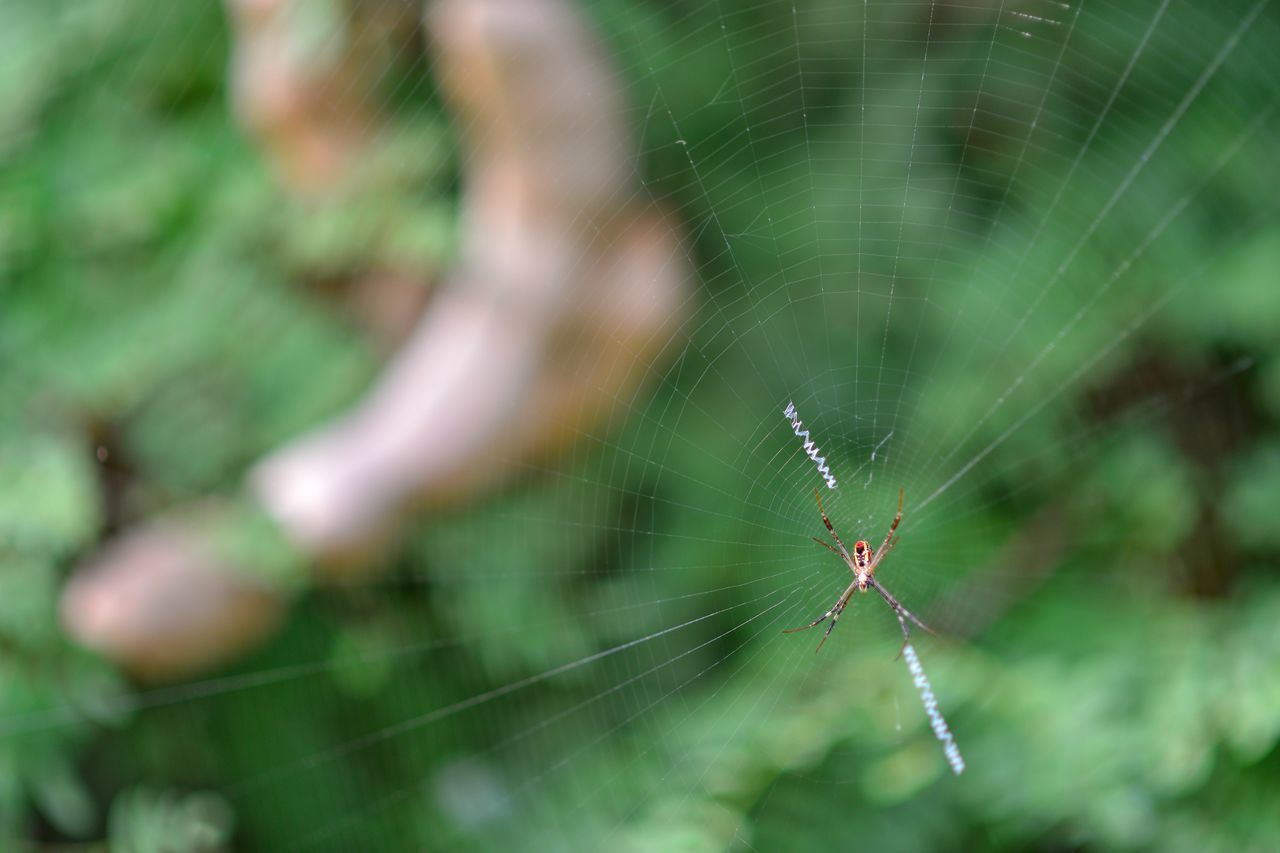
(862, 563)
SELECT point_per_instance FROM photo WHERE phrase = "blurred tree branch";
(566, 290)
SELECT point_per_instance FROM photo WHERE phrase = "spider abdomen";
(862, 555)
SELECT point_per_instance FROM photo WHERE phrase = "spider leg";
(834, 619)
(847, 561)
(826, 545)
(906, 636)
(844, 552)
(812, 624)
(833, 614)
(901, 612)
(888, 537)
(881, 554)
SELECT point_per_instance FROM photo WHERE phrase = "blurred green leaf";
(144, 820)
(49, 501)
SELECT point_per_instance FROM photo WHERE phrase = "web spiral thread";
(931, 709)
(809, 447)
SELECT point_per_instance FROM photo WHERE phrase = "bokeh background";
(1019, 258)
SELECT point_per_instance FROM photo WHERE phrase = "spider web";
(945, 233)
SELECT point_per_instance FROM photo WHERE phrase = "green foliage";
(163, 323)
(145, 821)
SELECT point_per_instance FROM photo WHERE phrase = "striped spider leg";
(862, 563)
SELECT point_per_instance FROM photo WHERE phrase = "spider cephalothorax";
(862, 562)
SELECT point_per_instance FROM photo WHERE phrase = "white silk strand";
(931, 709)
(809, 447)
